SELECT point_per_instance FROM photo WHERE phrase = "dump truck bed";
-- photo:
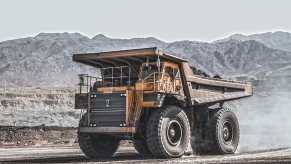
(203, 90)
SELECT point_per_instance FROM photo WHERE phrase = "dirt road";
(128, 155)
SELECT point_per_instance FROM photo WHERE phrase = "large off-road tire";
(96, 146)
(223, 132)
(168, 132)
(141, 147)
(199, 141)
(139, 140)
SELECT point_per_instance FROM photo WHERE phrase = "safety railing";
(110, 77)
(87, 82)
(160, 82)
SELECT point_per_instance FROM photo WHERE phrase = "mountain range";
(277, 40)
(46, 59)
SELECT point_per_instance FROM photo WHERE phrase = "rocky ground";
(38, 107)
(128, 155)
(37, 136)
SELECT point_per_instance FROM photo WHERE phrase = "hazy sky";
(169, 20)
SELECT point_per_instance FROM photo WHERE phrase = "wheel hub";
(227, 132)
(174, 132)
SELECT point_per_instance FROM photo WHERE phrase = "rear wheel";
(219, 135)
(96, 146)
(224, 132)
(168, 132)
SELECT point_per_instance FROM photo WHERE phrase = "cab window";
(148, 70)
(172, 72)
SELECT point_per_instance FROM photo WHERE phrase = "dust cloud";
(265, 118)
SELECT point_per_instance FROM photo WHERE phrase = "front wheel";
(168, 132)
(141, 147)
(96, 146)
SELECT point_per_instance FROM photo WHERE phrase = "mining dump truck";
(158, 101)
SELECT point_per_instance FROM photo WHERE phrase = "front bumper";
(107, 129)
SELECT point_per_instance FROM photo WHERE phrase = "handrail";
(110, 80)
(86, 81)
(159, 83)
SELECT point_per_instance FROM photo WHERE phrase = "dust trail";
(265, 118)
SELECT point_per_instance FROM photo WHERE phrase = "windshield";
(148, 70)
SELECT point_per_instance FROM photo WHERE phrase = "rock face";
(35, 107)
(46, 61)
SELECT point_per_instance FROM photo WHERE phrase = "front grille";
(107, 109)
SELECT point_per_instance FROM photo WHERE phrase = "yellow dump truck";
(158, 101)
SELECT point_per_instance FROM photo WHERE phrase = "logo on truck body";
(107, 103)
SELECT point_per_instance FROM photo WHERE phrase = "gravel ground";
(128, 155)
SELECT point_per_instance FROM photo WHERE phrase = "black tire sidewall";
(230, 117)
(96, 146)
(175, 113)
(141, 147)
